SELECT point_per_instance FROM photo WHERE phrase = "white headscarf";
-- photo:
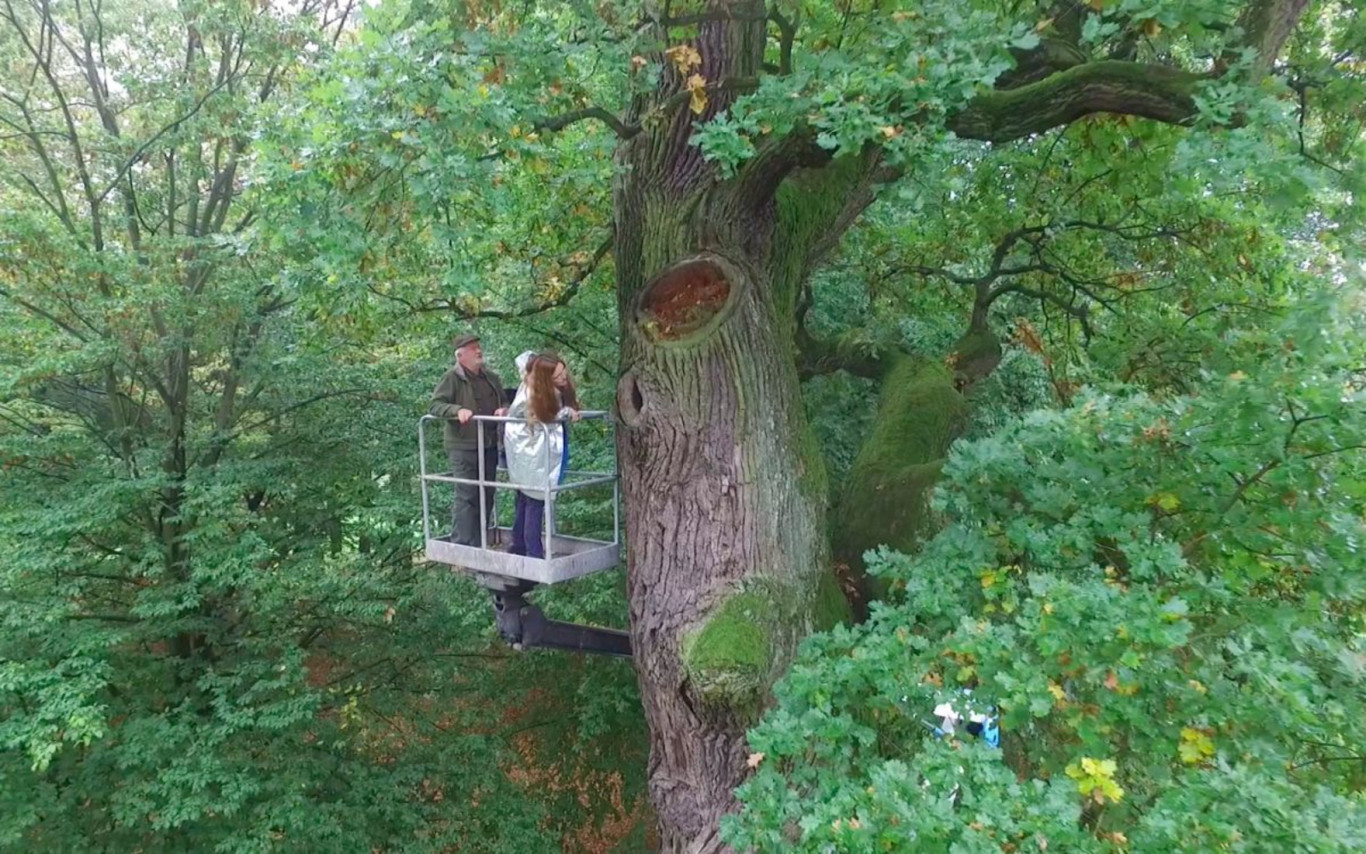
(522, 361)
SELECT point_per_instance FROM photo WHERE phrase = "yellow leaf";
(1098, 767)
(1151, 28)
(697, 85)
(638, 62)
(754, 760)
(1056, 690)
(1195, 746)
(890, 132)
(1096, 779)
(684, 57)
(1096, 5)
(1165, 501)
(1043, 25)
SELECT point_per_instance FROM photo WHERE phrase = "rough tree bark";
(725, 518)
(728, 561)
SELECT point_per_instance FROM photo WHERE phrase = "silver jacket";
(534, 450)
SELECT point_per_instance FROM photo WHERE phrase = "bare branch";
(1080, 312)
(42, 58)
(556, 123)
(38, 311)
(561, 299)
(152, 140)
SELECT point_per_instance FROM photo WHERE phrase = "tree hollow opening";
(630, 400)
(684, 300)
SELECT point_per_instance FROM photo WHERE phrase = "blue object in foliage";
(985, 726)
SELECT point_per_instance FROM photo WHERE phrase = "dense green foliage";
(1164, 597)
(236, 237)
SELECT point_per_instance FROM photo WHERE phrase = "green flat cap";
(464, 340)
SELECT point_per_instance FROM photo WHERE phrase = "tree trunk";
(724, 515)
(726, 548)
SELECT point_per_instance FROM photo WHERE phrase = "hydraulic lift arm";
(523, 625)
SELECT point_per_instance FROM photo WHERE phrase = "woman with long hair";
(536, 446)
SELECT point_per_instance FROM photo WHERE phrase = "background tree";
(213, 635)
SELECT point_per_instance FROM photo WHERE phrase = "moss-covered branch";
(814, 207)
(886, 498)
(1151, 91)
(816, 357)
(1078, 89)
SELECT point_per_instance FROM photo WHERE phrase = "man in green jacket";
(466, 390)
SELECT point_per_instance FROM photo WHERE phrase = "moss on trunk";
(728, 658)
(886, 497)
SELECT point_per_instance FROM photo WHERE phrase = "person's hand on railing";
(500, 411)
(464, 416)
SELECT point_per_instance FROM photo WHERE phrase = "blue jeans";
(528, 527)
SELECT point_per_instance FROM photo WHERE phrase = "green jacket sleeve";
(444, 401)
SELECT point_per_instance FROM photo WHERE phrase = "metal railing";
(550, 489)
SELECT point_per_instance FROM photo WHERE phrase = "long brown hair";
(568, 395)
(543, 399)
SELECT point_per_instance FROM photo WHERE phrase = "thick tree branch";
(1052, 55)
(1151, 91)
(816, 357)
(1156, 92)
(1266, 24)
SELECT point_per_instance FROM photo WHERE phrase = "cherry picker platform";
(510, 577)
